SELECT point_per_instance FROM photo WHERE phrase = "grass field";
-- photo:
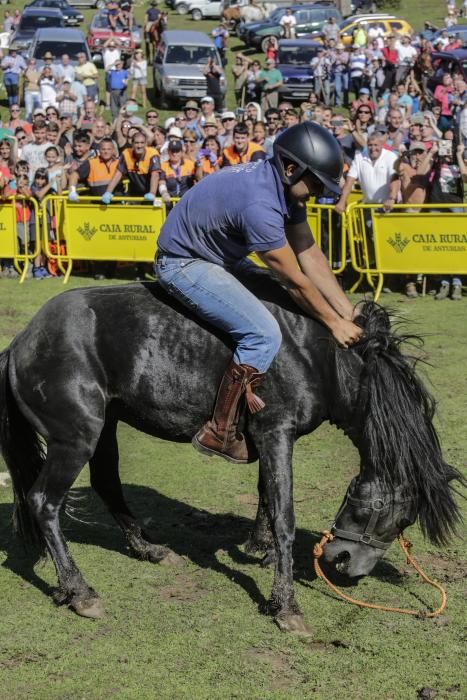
(195, 631)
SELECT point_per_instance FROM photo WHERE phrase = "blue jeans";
(341, 87)
(219, 298)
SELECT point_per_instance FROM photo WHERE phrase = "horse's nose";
(342, 561)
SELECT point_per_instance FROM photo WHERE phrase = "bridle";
(376, 506)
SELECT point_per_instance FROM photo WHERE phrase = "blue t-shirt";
(230, 214)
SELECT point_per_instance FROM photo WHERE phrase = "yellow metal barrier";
(432, 240)
(126, 230)
(11, 246)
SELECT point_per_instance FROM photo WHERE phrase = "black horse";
(90, 358)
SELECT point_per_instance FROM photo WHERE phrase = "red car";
(100, 30)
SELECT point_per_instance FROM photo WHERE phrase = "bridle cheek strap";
(366, 537)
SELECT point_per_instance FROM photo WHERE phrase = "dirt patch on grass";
(441, 566)
(249, 499)
(286, 677)
(21, 658)
(185, 589)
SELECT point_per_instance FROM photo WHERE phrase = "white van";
(199, 9)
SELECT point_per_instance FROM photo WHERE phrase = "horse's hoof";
(90, 607)
(293, 623)
(172, 559)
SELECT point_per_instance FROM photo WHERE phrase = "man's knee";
(273, 335)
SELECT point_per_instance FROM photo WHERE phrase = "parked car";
(199, 9)
(100, 30)
(294, 57)
(447, 62)
(459, 31)
(58, 42)
(89, 4)
(310, 18)
(72, 16)
(33, 19)
(178, 66)
(388, 23)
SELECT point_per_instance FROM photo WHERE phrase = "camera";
(444, 147)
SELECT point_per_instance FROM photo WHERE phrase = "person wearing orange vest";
(177, 173)
(141, 165)
(96, 172)
(242, 150)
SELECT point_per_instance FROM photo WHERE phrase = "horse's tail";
(399, 436)
(23, 453)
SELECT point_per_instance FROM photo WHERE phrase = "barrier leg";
(66, 272)
(379, 287)
(357, 284)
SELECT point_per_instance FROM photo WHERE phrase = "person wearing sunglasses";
(190, 144)
(15, 120)
(202, 249)
(273, 127)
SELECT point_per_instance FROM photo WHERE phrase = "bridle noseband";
(375, 506)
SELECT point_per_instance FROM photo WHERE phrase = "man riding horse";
(259, 207)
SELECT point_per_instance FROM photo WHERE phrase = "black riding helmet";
(312, 148)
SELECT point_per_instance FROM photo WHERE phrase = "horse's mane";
(399, 442)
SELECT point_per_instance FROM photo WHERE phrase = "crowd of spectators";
(401, 125)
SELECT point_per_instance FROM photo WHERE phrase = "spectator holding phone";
(208, 160)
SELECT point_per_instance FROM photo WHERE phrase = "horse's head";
(369, 520)
(403, 474)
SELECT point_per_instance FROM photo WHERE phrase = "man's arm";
(307, 296)
(346, 190)
(315, 266)
(114, 181)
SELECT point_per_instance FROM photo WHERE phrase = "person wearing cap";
(13, 66)
(341, 76)
(32, 94)
(242, 150)
(360, 36)
(207, 109)
(110, 55)
(87, 73)
(141, 165)
(67, 100)
(228, 123)
(271, 80)
(117, 83)
(151, 16)
(202, 249)
(177, 172)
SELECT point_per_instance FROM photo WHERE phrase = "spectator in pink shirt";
(441, 95)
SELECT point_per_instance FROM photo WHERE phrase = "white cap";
(168, 122)
(175, 131)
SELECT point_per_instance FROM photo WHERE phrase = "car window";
(296, 55)
(301, 16)
(58, 48)
(100, 22)
(395, 25)
(190, 54)
(39, 22)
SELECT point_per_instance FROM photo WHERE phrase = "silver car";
(178, 66)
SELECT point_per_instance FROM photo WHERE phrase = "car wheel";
(100, 4)
(265, 43)
(182, 8)
(196, 15)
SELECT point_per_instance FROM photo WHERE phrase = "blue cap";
(363, 91)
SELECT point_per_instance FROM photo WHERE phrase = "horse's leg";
(276, 476)
(260, 538)
(105, 480)
(63, 464)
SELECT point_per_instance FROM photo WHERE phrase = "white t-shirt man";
(110, 56)
(374, 176)
(288, 23)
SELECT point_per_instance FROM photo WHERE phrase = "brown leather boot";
(220, 435)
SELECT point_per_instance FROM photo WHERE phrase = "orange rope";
(405, 545)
